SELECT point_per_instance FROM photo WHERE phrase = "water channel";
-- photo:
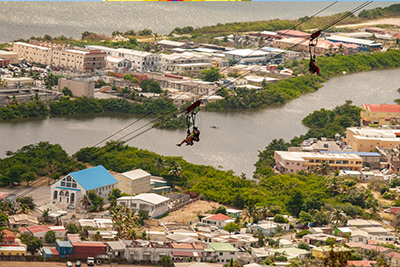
(235, 141)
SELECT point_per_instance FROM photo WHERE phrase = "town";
(327, 198)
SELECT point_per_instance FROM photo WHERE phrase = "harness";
(312, 66)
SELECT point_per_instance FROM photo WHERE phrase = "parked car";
(90, 261)
(78, 264)
(69, 264)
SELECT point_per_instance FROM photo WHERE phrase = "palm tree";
(85, 201)
(45, 215)
(175, 171)
(97, 237)
(337, 218)
(323, 169)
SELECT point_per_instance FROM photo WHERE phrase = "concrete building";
(17, 82)
(78, 86)
(293, 33)
(169, 45)
(323, 46)
(12, 251)
(292, 162)
(33, 53)
(155, 204)
(365, 139)
(246, 56)
(380, 114)
(141, 61)
(219, 220)
(365, 45)
(81, 60)
(25, 94)
(134, 182)
(370, 159)
(69, 190)
(220, 252)
(21, 220)
(191, 68)
(168, 62)
(118, 64)
(7, 58)
(38, 231)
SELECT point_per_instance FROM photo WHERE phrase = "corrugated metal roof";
(94, 177)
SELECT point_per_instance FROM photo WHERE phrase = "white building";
(118, 64)
(169, 62)
(141, 61)
(220, 252)
(246, 56)
(69, 190)
(134, 182)
(155, 204)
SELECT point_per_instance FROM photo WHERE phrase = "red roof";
(186, 253)
(393, 255)
(38, 228)
(397, 35)
(3, 195)
(361, 263)
(54, 252)
(8, 234)
(219, 217)
(88, 244)
(383, 108)
(182, 245)
(294, 33)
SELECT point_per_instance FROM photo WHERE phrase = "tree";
(72, 229)
(231, 227)
(330, 241)
(3, 219)
(166, 261)
(113, 196)
(304, 245)
(323, 168)
(295, 203)
(67, 92)
(211, 74)
(33, 243)
(97, 237)
(97, 202)
(85, 201)
(50, 237)
(27, 200)
(145, 32)
(305, 217)
(280, 219)
(114, 33)
(221, 209)
(175, 172)
(45, 215)
(150, 86)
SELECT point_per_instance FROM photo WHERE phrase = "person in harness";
(312, 66)
(193, 135)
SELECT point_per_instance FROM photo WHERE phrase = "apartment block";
(380, 114)
(292, 162)
(33, 53)
(365, 139)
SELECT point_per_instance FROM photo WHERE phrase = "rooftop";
(382, 108)
(246, 52)
(303, 156)
(94, 177)
(147, 197)
(136, 174)
(219, 217)
(352, 40)
(222, 247)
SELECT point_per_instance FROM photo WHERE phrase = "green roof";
(222, 247)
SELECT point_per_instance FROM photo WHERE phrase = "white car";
(90, 261)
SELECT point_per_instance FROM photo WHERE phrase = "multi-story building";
(292, 162)
(7, 58)
(191, 68)
(33, 53)
(380, 114)
(141, 61)
(220, 252)
(365, 139)
(69, 190)
(246, 56)
(87, 60)
(134, 182)
(365, 45)
(78, 59)
(323, 46)
(168, 62)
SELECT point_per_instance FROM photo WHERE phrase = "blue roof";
(361, 154)
(93, 178)
(64, 244)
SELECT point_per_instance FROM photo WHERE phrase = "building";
(7, 58)
(80, 60)
(365, 45)
(322, 47)
(380, 114)
(314, 239)
(33, 53)
(220, 252)
(169, 45)
(292, 162)
(12, 251)
(268, 228)
(134, 182)
(78, 86)
(9, 238)
(118, 64)
(38, 231)
(365, 139)
(17, 82)
(20, 220)
(155, 204)
(191, 68)
(370, 159)
(293, 33)
(219, 220)
(69, 190)
(246, 56)
(169, 62)
(141, 61)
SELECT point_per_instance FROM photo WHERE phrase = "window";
(317, 161)
(62, 183)
(311, 160)
(298, 164)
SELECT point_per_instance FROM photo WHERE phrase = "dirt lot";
(391, 21)
(189, 212)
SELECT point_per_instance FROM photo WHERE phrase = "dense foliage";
(83, 105)
(32, 161)
(294, 193)
(286, 90)
(393, 10)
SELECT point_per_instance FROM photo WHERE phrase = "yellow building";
(12, 251)
(33, 53)
(292, 162)
(323, 252)
(134, 182)
(380, 114)
(365, 139)
(10, 57)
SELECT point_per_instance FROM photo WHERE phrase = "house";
(7, 58)
(361, 263)
(293, 33)
(314, 239)
(116, 249)
(155, 204)
(186, 252)
(291, 253)
(134, 182)
(220, 252)
(19, 220)
(12, 251)
(323, 252)
(246, 56)
(9, 238)
(365, 45)
(169, 45)
(393, 258)
(78, 86)
(269, 228)
(38, 231)
(219, 220)
(59, 231)
(69, 190)
(118, 64)
(364, 139)
(380, 114)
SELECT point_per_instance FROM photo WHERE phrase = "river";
(56, 18)
(239, 135)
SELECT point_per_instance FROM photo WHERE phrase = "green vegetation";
(83, 105)
(211, 74)
(50, 237)
(286, 90)
(390, 11)
(150, 86)
(32, 161)
(33, 244)
(96, 201)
